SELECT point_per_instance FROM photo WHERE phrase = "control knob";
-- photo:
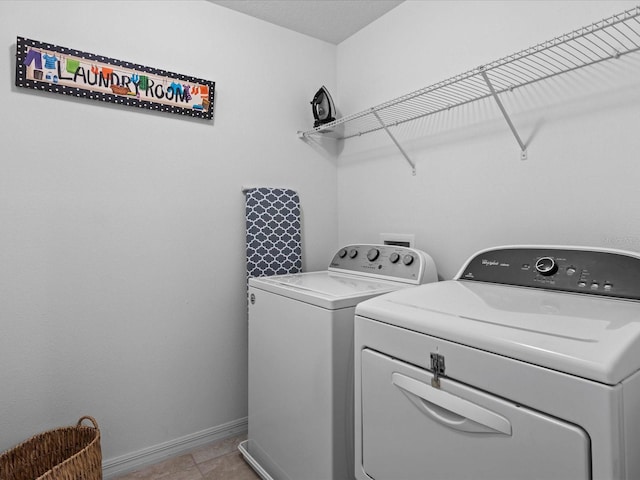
(373, 254)
(407, 259)
(353, 253)
(394, 257)
(546, 266)
(342, 253)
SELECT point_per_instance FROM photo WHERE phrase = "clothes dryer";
(301, 359)
(525, 366)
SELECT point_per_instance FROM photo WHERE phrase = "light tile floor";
(217, 461)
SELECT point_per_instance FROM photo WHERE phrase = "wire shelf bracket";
(601, 41)
(523, 147)
(402, 151)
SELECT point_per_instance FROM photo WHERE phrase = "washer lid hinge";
(437, 367)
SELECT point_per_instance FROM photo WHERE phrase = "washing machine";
(301, 359)
(524, 366)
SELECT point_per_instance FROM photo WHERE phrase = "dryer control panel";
(614, 273)
(387, 262)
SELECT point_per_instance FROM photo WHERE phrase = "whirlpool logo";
(493, 263)
(490, 263)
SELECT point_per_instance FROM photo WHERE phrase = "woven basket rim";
(53, 431)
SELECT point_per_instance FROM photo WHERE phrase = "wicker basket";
(67, 453)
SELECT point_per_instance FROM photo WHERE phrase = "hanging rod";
(606, 39)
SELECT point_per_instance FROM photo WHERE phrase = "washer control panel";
(388, 262)
(614, 273)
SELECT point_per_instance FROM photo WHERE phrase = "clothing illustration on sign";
(52, 77)
(120, 90)
(187, 93)
(106, 72)
(72, 65)
(49, 61)
(176, 87)
(33, 56)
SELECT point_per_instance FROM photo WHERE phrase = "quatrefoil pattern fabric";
(273, 232)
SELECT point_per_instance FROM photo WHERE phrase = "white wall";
(580, 183)
(122, 287)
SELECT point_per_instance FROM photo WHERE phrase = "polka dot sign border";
(23, 45)
(273, 232)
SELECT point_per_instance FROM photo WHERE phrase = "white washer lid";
(592, 337)
(325, 289)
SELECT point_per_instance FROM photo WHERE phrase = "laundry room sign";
(55, 69)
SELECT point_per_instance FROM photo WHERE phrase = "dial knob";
(546, 266)
(342, 253)
(394, 257)
(373, 254)
(353, 253)
(407, 259)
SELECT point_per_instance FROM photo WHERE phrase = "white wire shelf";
(607, 39)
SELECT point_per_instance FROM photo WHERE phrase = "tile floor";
(217, 461)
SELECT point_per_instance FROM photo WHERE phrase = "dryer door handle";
(450, 410)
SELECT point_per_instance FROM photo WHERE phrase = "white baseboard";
(130, 462)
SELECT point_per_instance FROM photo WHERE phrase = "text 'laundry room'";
(320, 240)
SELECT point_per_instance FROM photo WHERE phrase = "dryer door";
(413, 431)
